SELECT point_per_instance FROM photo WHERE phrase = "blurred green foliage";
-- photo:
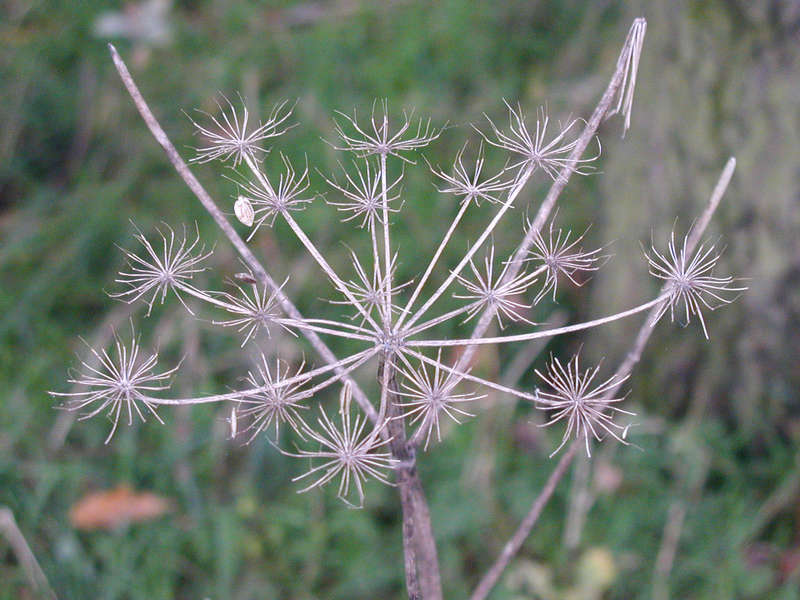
(719, 420)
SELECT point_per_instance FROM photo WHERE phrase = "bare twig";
(520, 535)
(20, 547)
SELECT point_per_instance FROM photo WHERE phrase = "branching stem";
(208, 203)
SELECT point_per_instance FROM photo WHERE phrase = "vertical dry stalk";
(26, 558)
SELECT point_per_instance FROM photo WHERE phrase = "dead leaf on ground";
(110, 509)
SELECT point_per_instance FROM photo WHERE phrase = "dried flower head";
(497, 294)
(364, 195)
(121, 384)
(378, 139)
(588, 412)
(469, 186)
(534, 149)
(348, 451)
(371, 291)
(561, 257)
(253, 311)
(396, 332)
(431, 394)
(276, 399)
(171, 268)
(268, 201)
(690, 283)
(229, 137)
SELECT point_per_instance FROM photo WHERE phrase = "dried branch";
(513, 545)
(26, 558)
(623, 371)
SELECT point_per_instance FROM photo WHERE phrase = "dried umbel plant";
(396, 323)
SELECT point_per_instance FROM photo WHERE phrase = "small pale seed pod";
(232, 423)
(244, 211)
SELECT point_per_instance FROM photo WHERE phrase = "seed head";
(380, 140)
(253, 311)
(588, 412)
(689, 281)
(268, 201)
(347, 451)
(431, 394)
(121, 384)
(277, 399)
(363, 195)
(562, 257)
(533, 149)
(171, 268)
(370, 291)
(469, 186)
(494, 293)
(229, 138)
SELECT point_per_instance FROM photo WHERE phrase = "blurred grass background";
(720, 419)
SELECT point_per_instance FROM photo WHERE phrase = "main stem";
(423, 581)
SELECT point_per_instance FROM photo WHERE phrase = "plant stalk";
(423, 581)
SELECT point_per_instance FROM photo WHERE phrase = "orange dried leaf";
(114, 508)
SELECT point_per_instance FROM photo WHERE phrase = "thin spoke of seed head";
(170, 265)
(690, 281)
(586, 410)
(119, 386)
(230, 137)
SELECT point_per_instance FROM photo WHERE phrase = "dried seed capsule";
(246, 277)
(232, 422)
(244, 211)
